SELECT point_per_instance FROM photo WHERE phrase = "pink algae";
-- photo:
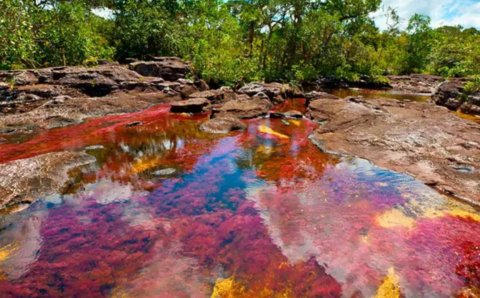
(271, 214)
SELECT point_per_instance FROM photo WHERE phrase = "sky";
(443, 12)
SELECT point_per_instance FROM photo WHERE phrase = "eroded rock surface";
(421, 139)
(415, 83)
(67, 111)
(222, 125)
(25, 180)
(452, 95)
(24, 90)
(276, 92)
(192, 105)
(245, 107)
(169, 68)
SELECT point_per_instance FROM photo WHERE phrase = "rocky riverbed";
(422, 139)
(168, 187)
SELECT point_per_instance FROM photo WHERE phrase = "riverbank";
(422, 139)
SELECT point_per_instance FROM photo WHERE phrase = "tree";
(419, 42)
(16, 35)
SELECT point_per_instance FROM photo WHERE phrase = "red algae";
(259, 213)
(93, 132)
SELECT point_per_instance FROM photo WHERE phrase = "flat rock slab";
(25, 180)
(222, 125)
(193, 105)
(76, 110)
(415, 83)
(421, 139)
(245, 108)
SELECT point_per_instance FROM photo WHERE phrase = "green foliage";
(456, 52)
(144, 28)
(473, 84)
(16, 37)
(419, 43)
(230, 41)
(51, 33)
(68, 36)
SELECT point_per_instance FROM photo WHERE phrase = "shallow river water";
(170, 211)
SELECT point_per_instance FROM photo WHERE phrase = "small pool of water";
(170, 211)
(474, 118)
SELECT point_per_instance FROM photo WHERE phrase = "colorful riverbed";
(170, 211)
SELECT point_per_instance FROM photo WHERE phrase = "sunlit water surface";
(169, 211)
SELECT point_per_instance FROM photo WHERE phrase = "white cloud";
(443, 12)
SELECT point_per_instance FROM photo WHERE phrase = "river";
(170, 211)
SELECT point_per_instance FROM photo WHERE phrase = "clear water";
(169, 211)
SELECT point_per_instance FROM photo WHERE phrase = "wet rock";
(222, 125)
(417, 138)
(94, 147)
(245, 107)
(168, 68)
(165, 172)
(276, 115)
(294, 114)
(77, 110)
(26, 180)
(193, 105)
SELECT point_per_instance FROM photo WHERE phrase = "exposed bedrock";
(24, 90)
(25, 180)
(452, 94)
(421, 139)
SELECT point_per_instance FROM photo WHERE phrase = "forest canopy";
(236, 40)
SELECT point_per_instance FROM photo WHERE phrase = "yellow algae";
(395, 218)
(295, 122)
(454, 212)
(268, 130)
(264, 149)
(7, 250)
(119, 293)
(227, 288)
(390, 287)
(230, 288)
(464, 214)
(142, 165)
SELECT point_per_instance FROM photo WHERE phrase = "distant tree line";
(235, 40)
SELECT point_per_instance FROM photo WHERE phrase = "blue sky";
(442, 12)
